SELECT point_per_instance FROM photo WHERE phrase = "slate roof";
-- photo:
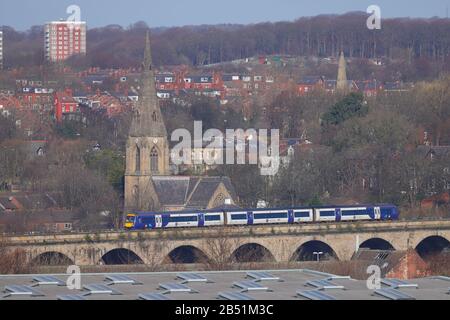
(437, 151)
(311, 80)
(23, 201)
(171, 190)
(189, 192)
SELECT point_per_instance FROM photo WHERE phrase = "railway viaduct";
(275, 243)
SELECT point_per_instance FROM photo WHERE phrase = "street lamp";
(318, 254)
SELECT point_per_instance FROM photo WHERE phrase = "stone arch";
(431, 246)
(305, 252)
(52, 258)
(376, 244)
(186, 254)
(120, 256)
(252, 252)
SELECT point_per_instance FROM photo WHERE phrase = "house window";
(138, 159)
(67, 226)
(154, 160)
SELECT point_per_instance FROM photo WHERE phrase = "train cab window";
(131, 219)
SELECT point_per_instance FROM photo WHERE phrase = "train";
(139, 220)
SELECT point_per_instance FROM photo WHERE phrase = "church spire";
(147, 119)
(147, 64)
(342, 84)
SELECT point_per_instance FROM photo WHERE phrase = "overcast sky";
(21, 14)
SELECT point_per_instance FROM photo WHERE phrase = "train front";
(130, 221)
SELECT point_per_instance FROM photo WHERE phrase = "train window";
(304, 214)
(131, 219)
(327, 213)
(183, 219)
(212, 218)
(270, 215)
(360, 212)
(239, 216)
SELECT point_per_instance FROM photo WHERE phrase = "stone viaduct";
(275, 243)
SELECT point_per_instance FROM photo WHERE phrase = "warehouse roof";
(259, 285)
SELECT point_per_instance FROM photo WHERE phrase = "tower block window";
(154, 160)
(138, 159)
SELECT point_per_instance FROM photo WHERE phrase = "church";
(149, 186)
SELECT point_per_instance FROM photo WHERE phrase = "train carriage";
(219, 217)
(181, 219)
(271, 216)
(240, 217)
(303, 215)
(356, 213)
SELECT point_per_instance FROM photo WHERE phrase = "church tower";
(147, 149)
(342, 84)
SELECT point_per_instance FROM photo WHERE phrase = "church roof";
(205, 190)
(189, 192)
(171, 190)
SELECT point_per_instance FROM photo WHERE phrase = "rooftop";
(259, 285)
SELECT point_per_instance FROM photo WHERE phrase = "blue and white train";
(208, 218)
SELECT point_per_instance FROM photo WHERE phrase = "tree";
(352, 105)
(12, 157)
(8, 129)
(249, 184)
(303, 182)
(110, 164)
(381, 137)
(433, 108)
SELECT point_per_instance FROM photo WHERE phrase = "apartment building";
(64, 39)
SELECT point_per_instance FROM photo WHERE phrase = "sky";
(22, 14)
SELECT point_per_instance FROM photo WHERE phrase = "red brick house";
(405, 264)
(64, 104)
(308, 84)
(438, 200)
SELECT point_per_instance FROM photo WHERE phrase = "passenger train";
(219, 217)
